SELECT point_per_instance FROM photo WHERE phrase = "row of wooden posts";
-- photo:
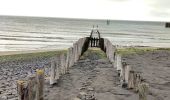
(32, 89)
(128, 77)
(131, 79)
(73, 55)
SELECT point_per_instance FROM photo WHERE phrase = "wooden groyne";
(32, 89)
(167, 25)
(131, 79)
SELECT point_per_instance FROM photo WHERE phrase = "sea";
(41, 33)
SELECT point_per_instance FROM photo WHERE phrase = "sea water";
(37, 33)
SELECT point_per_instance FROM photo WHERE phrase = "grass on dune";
(29, 56)
(94, 52)
(138, 50)
(89, 52)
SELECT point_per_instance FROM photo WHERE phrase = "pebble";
(12, 71)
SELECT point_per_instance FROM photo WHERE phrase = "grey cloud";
(159, 3)
(160, 13)
(159, 8)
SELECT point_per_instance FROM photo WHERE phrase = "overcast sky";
(158, 10)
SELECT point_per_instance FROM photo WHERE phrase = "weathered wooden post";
(115, 61)
(119, 62)
(71, 57)
(67, 60)
(62, 59)
(143, 91)
(137, 81)
(21, 90)
(52, 73)
(78, 48)
(131, 80)
(76, 52)
(32, 87)
(122, 73)
(40, 84)
(127, 70)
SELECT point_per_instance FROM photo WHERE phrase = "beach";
(92, 74)
(19, 66)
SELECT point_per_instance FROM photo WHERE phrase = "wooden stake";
(62, 59)
(67, 60)
(127, 70)
(143, 91)
(131, 80)
(119, 62)
(32, 87)
(52, 73)
(22, 93)
(137, 81)
(40, 85)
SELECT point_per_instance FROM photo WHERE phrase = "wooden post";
(32, 87)
(143, 91)
(52, 73)
(127, 70)
(76, 52)
(21, 90)
(122, 74)
(62, 59)
(137, 81)
(131, 80)
(67, 60)
(40, 85)
(57, 68)
(71, 57)
(119, 62)
(115, 61)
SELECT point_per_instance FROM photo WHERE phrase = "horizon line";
(85, 18)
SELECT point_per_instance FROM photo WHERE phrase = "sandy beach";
(92, 75)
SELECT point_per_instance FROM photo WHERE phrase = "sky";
(145, 10)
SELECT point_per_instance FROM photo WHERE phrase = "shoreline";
(4, 53)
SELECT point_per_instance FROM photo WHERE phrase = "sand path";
(96, 77)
